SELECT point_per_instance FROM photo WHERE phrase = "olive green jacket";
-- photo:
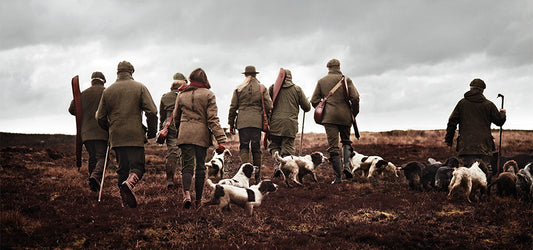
(284, 119)
(90, 98)
(474, 115)
(246, 110)
(336, 110)
(196, 117)
(120, 111)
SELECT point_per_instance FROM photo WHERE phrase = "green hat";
(97, 75)
(478, 83)
(179, 76)
(125, 66)
(250, 70)
(333, 62)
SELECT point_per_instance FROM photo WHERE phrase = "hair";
(199, 75)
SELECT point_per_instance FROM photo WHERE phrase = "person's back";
(474, 115)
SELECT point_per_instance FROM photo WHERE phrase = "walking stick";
(500, 144)
(103, 174)
(302, 135)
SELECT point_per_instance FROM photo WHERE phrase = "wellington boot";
(244, 154)
(346, 153)
(337, 169)
(257, 162)
(187, 199)
(170, 170)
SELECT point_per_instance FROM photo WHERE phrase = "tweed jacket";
(196, 117)
(120, 111)
(336, 110)
(90, 98)
(246, 110)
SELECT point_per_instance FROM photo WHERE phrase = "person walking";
(337, 117)
(120, 112)
(474, 115)
(93, 136)
(284, 118)
(196, 118)
(246, 115)
(168, 101)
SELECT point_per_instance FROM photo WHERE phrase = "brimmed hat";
(478, 83)
(97, 75)
(179, 76)
(333, 62)
(125, 66)
(250, 70)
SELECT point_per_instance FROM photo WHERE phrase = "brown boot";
(186, 199)
(126, 190)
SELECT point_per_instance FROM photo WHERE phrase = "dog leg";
(314, 177)
(295, 179)
(250, 209)
(468, 190)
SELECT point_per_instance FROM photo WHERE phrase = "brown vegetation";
(46, 203)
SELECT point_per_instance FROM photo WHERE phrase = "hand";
(221, 148)
(232, 130)
(151, 135)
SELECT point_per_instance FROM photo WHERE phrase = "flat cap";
(478, 83)
(333, 62)
(125, 66)
(97, 75)
(179, 76)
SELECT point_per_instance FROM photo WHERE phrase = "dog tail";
(278, 158)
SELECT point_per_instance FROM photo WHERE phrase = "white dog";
(296, 167)
(216, 165)
(372, 165)
(242, 177)
(247, 198)
(472, 179)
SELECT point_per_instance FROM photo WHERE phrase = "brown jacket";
(474, 115)
(195, 115)
(121, 109)
(336, 110)
(90, 98)
(246, 110)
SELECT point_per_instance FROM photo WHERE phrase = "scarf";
(195, 84)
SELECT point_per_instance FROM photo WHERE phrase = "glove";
(232, 130)
(221, 148)
(151, 134)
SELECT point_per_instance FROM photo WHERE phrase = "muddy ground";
(46, 203)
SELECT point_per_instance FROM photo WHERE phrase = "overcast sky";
(411, 61)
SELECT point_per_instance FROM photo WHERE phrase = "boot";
(94, 184)
(126, 190)
(186, 199)
(277, 165)
(257, 162)
(170, 170)
(337, 169)
(199, 187)
(244, 154)
(346, 152)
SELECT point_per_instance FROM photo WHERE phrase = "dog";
(413, 174)
(247, 198)
(242, 177)
(473, 179)
(216, 165)
(444, 174)
(506, 181)
(371, 165)
(521, 159)
(524, 183)
(296, 167)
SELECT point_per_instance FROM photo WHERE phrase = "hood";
(287, 83)
(475, 96)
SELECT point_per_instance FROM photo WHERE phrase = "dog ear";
(251, 195)
(267, 186)
(364, 159)
(248, 170)
(316, 158)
